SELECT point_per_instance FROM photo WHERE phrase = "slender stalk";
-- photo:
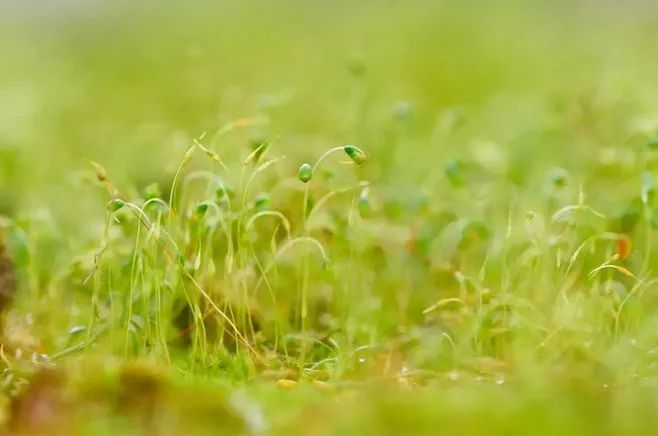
(304, 285)
(131, 293)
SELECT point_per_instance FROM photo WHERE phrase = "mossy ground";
(484, 263)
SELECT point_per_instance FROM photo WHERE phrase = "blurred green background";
(127, 84)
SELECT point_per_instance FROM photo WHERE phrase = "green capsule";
(224, 194)
(559, 177)
(305, 172)
(356, 154)
(262, 201)
(116, 204)
(101, 173)
(201, 209)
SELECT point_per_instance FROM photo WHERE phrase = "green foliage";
(488, 253)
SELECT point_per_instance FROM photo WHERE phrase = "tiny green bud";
(116, 204)
(224, 194)
(152, 191)
(305, 172)
(559, 177)
(262, 201)
(653, 143)
(201, 209)
(101, 174)
(356, 154)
